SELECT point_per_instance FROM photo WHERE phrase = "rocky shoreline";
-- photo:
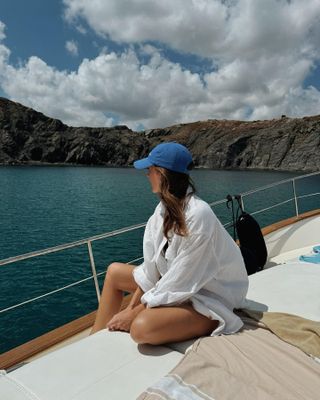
(28, 137)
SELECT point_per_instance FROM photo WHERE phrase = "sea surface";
(42, 207)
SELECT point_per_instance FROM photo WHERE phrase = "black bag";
(251, 243)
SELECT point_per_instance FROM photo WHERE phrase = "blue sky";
(37, 28)
(151, 64)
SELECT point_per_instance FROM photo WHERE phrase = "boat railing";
(65, 246)
(295, 198)
(88, 241)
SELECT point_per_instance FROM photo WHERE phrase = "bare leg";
(170, 324)
(118, 279)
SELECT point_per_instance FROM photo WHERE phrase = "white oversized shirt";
(206, 267)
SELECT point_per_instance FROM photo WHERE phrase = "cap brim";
(142, 164)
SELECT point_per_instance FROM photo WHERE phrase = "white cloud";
(158, 93)
(262, 52)
(4, 51)
(81, 29)
(216, 29)
(72, 47)
(2, 29)
(186, 25)
(153, 94)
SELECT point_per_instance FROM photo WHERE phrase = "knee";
(113, 271)
(140, 330)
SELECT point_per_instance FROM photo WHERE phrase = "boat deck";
(96, 366)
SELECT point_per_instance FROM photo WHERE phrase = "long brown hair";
(174, 195)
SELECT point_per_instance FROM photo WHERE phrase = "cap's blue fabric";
(170, 155)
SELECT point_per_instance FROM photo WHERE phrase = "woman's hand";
(123, 320)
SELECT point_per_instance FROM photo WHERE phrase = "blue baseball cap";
(169, 155)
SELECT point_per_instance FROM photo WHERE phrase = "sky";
(151, 64)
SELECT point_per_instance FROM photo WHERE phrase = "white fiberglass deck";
(292, 241)
(292, 288)
(107, 365)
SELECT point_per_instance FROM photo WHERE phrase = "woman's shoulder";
(199, 215)
(199, 207)
(157, 213)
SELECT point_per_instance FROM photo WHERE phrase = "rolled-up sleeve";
(189, 271)
(147, 275)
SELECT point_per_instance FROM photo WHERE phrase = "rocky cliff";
(291, 144)
(29, 137)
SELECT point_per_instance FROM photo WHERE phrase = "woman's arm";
(136, 297)
(122, 321)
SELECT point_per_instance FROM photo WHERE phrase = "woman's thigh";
(121, 276)
(170, 324)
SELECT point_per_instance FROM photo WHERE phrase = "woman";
(193, 274)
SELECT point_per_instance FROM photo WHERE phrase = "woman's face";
(155, 179)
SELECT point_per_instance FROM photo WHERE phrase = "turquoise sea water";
(47, 206)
